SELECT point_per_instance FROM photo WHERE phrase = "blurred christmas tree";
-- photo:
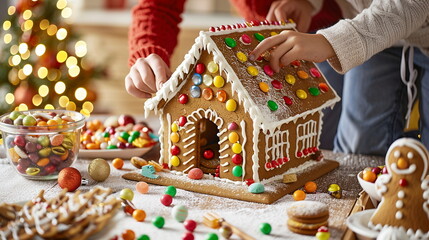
(42, 63)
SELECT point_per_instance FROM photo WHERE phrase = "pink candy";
(196, 174)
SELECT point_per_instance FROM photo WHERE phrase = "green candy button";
(272, 105)
(314, 91)
(259, 36)
(237, 171)
(230, 42)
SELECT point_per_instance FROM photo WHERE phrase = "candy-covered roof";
(270, 98)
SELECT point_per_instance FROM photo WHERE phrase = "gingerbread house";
(237, 119)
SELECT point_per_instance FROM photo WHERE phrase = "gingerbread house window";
(306, 138)
(278, 149)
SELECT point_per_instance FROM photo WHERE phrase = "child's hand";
(146, 76)
(290, 45)
(298, 10)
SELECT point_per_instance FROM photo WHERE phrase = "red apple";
(124, 120)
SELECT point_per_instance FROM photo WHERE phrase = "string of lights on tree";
(42, 63)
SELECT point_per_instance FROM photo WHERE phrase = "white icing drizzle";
(188, 152)
(189, 144)
(279, 145)
(223, 140)
(224, 148)
(168, 117)
(226, 170)
(224, 156)
(255, 158)
(401, 194)
(425, 188)
(412, 168)
(225, 164)
(302, 167)
(399, 204)
(243, 153)
(190, 129)
(397, 154)
(189, 168)
(410, 155)
(189, 137)
(189, 160)
(308, 137)
(398, 215)
(221, 132)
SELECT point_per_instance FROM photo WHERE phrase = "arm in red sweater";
(154, 28)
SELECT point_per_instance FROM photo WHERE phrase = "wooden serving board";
(273, 190)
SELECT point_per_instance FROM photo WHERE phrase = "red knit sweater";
(154, 27)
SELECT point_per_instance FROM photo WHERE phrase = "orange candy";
(402, 163)
(128, 234)
(118, 163)
(221, 96)
(299, 195)
(369, 176)
(310, 187)
(139, 215)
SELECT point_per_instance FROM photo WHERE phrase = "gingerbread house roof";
(271, 99)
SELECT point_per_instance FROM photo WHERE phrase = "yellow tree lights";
(42, 63)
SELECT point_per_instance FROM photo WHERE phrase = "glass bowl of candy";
(367, 179)
(39, 143)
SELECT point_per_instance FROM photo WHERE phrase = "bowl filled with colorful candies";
(40, 143)
(367, 179)
(116, 136)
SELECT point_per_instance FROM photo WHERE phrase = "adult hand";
(297, 10)
(290, 45)
(146, 76)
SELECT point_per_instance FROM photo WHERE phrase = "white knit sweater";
(379, 25)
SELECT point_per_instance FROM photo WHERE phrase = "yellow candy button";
(241, 56)
(264, 87)
(273, 33)
(174, 161)
(174, 137)
(231, 105)
(302, 74)
(290, 79)
(236, 148)
(212, 67)
(233, 137)
(218, 81)
(252, 71)
(174, 127)
(301, 94)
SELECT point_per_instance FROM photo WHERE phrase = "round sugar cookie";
(305, 217)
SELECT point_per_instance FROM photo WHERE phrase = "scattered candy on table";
(188, 236)
(190, 225)
(265, 228)
(69, 178)
(143, 237)
(256, 188)
(158, 222)
(310, 187)
(196, 174)
(149, 172)
(118, 163)
(99, 169)
(225, 232)
(299, 195)
(128, 234)
(166, 200)
(335, 191)
(142, 187)
(211, 236)
(323, 233)
(127, 194)
(180, 213)
(171, 190)
(139, 215)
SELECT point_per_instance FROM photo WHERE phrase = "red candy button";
(277, 84)
(323, 87)
(237, 159)
(208, 154)
(183, 98)
(245, 39)
(403, 182)
(175, 150)
(296, 63)
(315, 73)
(268, 70)
(249, 182)
(182, 121)
(200, 68)
(287, 100)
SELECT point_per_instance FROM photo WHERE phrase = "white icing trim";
(279, 140)
(189, 168)
(411, 169)
(425, 188)
(307, 164)
(222, 132)
(224, 156)
(410, 155)
(399, 215)
(225, 164)
(307, 139)
(189, 137)
(188, 152)
(189, 144)
(189, 160)
(401, 194)
(224, 148)
(255, 158)
(226, 170)
(419, 234)
(243, 152)
(397, 154)
(168, 117)
(190, 130)
(399, 204)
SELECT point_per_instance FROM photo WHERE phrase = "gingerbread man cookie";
(404, 191)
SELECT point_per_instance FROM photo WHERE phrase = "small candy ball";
(69, 178)
(171, 190)
(166, 200)
(369, 176)
(180, 213)
(99, 169)
(335, 191)
(127, 194)
(190, 225)
(196, 174)
(128, 234)
(118, 163)
(310, 187)
(323, 233)
(256, 188)
(265, 228)
(299, 195)
(188, 236)
(208, 154)
(158, 222)
(144, 237)
(225, 231)
(142, 187)
(211, 236)
(139, 215)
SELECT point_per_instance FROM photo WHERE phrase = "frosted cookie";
(404, 190)
(305, 217)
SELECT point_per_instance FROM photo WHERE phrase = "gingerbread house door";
(206, 130)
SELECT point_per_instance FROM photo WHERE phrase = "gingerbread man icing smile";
(405, 191)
